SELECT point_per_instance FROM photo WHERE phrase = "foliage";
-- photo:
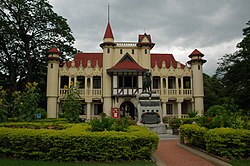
(29, 102)
(76, 144)
(105, 123)
(228, 142)
(194, 135)
(3, 105)
(217, 116)
(15, 162)
(166, 119)
(28, 29)
(213, 91)
(175, 123)
(234, 72)
(71, 105)
(25, 104)
(189, 120)
(224, 142)
(55, 125)
(192, 114)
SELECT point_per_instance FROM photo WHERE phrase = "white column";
(164, 109)
(181, 86)
(179, 108)
(167, 86)
(88, 110)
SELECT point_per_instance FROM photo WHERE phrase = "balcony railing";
(173, 92)
(126, 44)
(84, 92)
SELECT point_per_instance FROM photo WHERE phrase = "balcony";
(93, 93)
(126, 91)
(174, 92)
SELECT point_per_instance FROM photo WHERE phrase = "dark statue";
(146, 82)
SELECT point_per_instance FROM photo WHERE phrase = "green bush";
(189, 120)
(105, 123)
(76, 144)
(71, 104)
(228, 142)
(192, 114)
(56, 125)
(175, 123)
(193, 134)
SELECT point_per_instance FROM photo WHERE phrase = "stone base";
(157, 128)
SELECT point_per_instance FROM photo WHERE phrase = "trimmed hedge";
(77, 144)
(58, 125)
(224, 142)
(228, 142)
(189, 120)
(194, 135)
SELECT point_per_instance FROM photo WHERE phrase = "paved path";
(171, 154)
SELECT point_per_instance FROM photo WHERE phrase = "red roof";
(85, 57)
(108, 32)
(127, 63)
(54, 50)
(145, 35)
(168, 58)
(196, 52)
(127, 66)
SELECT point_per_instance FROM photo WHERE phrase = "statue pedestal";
(157, 128)
(150, 112)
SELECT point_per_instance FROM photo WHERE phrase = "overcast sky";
(176, 26)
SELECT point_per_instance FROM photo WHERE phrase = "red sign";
(115, 113)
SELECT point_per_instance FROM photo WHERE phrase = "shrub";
(3, 105)
(71, 105)
(166, 119)
(76, 144)
(106, 123)
(228, 142)
(192, 114)
(193, 134)
(175, 123)
(189, 120)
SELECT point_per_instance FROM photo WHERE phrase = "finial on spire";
(108, 13)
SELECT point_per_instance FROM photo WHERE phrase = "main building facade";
(112, 79)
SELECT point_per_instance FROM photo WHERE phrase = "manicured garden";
(76, 142)
(220, 133)
(15, 162)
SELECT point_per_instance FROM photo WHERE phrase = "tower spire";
(108, 13)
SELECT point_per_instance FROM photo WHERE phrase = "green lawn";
(240, 162)
(12, 162)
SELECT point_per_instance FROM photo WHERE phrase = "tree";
(28, 28)
(213, 91)
(71, 105)
(234, 71)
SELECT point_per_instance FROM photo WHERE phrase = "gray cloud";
(214, 27)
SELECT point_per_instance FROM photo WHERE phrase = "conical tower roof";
(108, 32)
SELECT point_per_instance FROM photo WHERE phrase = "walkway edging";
(158, 161)
(205, 156)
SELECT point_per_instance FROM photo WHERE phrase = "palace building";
(112, 79)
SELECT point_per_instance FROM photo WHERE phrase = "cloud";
(214, 27)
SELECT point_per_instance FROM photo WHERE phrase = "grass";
(14, 162)
(240, 162)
